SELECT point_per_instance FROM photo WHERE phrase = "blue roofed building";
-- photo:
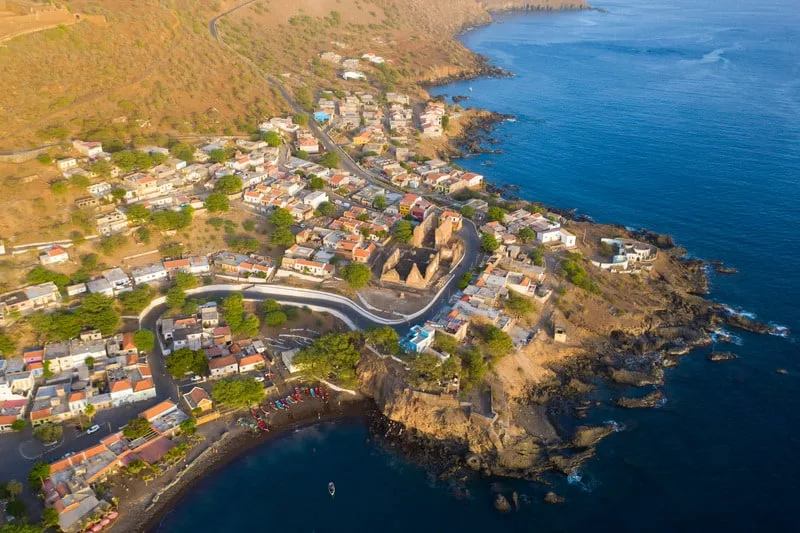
(322, 116)
(418, 339)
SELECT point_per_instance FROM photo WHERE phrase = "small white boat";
(331, 489)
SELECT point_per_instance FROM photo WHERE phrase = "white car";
(197, 378)
(260, 379)
(93, 429)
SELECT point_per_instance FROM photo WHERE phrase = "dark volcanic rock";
(501, 503)
(552, 497)
(459, 98)
(721, 356)
(651, 400)
(740, 321)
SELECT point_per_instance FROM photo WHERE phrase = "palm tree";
(14, 488)
(90, 411)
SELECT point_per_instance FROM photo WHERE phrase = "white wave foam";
(714, 56)
(739, 312)
(780, 331)
(729, 337)
(661, 402)
(616, 425)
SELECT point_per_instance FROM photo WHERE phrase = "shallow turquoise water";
(678, 116)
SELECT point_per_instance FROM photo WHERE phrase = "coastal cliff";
(622, 337)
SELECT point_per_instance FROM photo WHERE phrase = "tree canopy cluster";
(383, 338)
(185, 360)
(334, 355)
(403, 231)
(356, 275)
(237, 392)
(237, 318)
(96, 312)
(572, 269)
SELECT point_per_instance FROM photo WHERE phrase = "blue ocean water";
(681, 116)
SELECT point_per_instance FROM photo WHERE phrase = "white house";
(118, 280)
(66, 164)
(315, 198)
(149, 273)
(100, 286)
(74, 290)
(567, 238)
(223, 366)
(353, 75)
(53, 256)
(89, 149)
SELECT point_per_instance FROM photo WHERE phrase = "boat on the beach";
(331, 489)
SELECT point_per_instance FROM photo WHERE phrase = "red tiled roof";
(121, 385)
(143, 385)
(222, 362)
(158, 410)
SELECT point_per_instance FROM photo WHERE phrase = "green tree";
(48, 432)
(497, 342)
(136, 428)
(489, 242)
(135, 301)
(537, 256)
(173, 220)
(300, 119)
(250, 325)
(270, 306)
(237, 392)
(403, 231)
(316, 183)
(330, 159)
(281, 218)
(183, 151)
(356, 275)
(301, 154)
(379, 203)
(139, 214)
(275, 319)
(272, 138)
(38, 474)
(18, 425)
(282, 237)
(519, 306)
(445, 343)
(144, 340)
(90, 411)
(7, 344)
(45, 159)
(184, 281)
(112, 243)
(80, 181)
(217, 203)
(143, 235)
(218, 156)
(59, 187)
(228, 185)
(425, 367)
(326, 209)
(49, 517)
(384, 338)
(189, 426)
(334, 354)
(243, 244)
(465, 280)
(126, 161)
(89, 261)
(102, 168)
(176, 298)
(185, 360)
(576, 274)
(526, 235)
(89, 361)
(496, 213)
(474, 368)
(249, 225)
(16, 508)
(14, 488)
(39, 274)
(97, 311)
(118, 193)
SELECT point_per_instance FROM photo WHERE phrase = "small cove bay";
(682, 117)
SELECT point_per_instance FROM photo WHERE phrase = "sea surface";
(681, 116)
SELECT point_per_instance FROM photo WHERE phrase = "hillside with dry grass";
(152, 66)
(118, 69)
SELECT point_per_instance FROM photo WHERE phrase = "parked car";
(68, 454)
(260, 379)
(93, 429)
(197, 378)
